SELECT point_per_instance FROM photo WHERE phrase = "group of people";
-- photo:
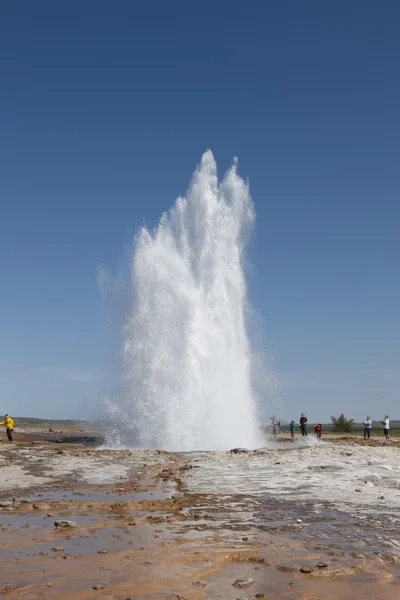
(368, 427)
(318, 428)
(303, 427)
(9, 425)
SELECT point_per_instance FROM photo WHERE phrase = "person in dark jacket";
(303, 424)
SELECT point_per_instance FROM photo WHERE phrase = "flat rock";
(41, 506)
(200, 583)
(7, 504)
(285, 569)
(239, 451)
(243, 583)
(63, 523)
(58, 549)
(306, 569)
(177, 496)
(330, 468)
(322, 565)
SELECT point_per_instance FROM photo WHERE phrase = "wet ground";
(150, 525)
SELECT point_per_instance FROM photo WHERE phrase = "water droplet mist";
(186, 382)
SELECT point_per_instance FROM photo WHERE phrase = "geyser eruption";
(186, 381)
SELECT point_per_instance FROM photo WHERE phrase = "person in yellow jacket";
(9, 425)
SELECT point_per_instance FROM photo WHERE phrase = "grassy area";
(377, 428)
(45, 426)
(35, 423)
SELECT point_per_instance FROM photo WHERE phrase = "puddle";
(17, 526)
(316, 526)
(112, 539)
(89, 495)
(293, 585)
(110, 534)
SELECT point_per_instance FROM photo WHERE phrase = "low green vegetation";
(342, 425)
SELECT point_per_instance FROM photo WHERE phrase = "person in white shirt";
(386, 427)
(367, 428)
(275, 426)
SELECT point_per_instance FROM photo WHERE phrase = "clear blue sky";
(106, 109)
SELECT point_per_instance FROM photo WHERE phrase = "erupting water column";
(187, 359)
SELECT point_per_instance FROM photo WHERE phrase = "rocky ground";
(298, 521)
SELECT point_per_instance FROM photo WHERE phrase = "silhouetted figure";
(303, 424)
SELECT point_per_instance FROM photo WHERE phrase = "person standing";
(303, 424)
(367, 428)
(9, 425)
(275, 426)
(292, 429)
(386, 427)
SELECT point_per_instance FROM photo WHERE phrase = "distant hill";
(36, 421)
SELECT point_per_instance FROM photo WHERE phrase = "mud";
(155, 525)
